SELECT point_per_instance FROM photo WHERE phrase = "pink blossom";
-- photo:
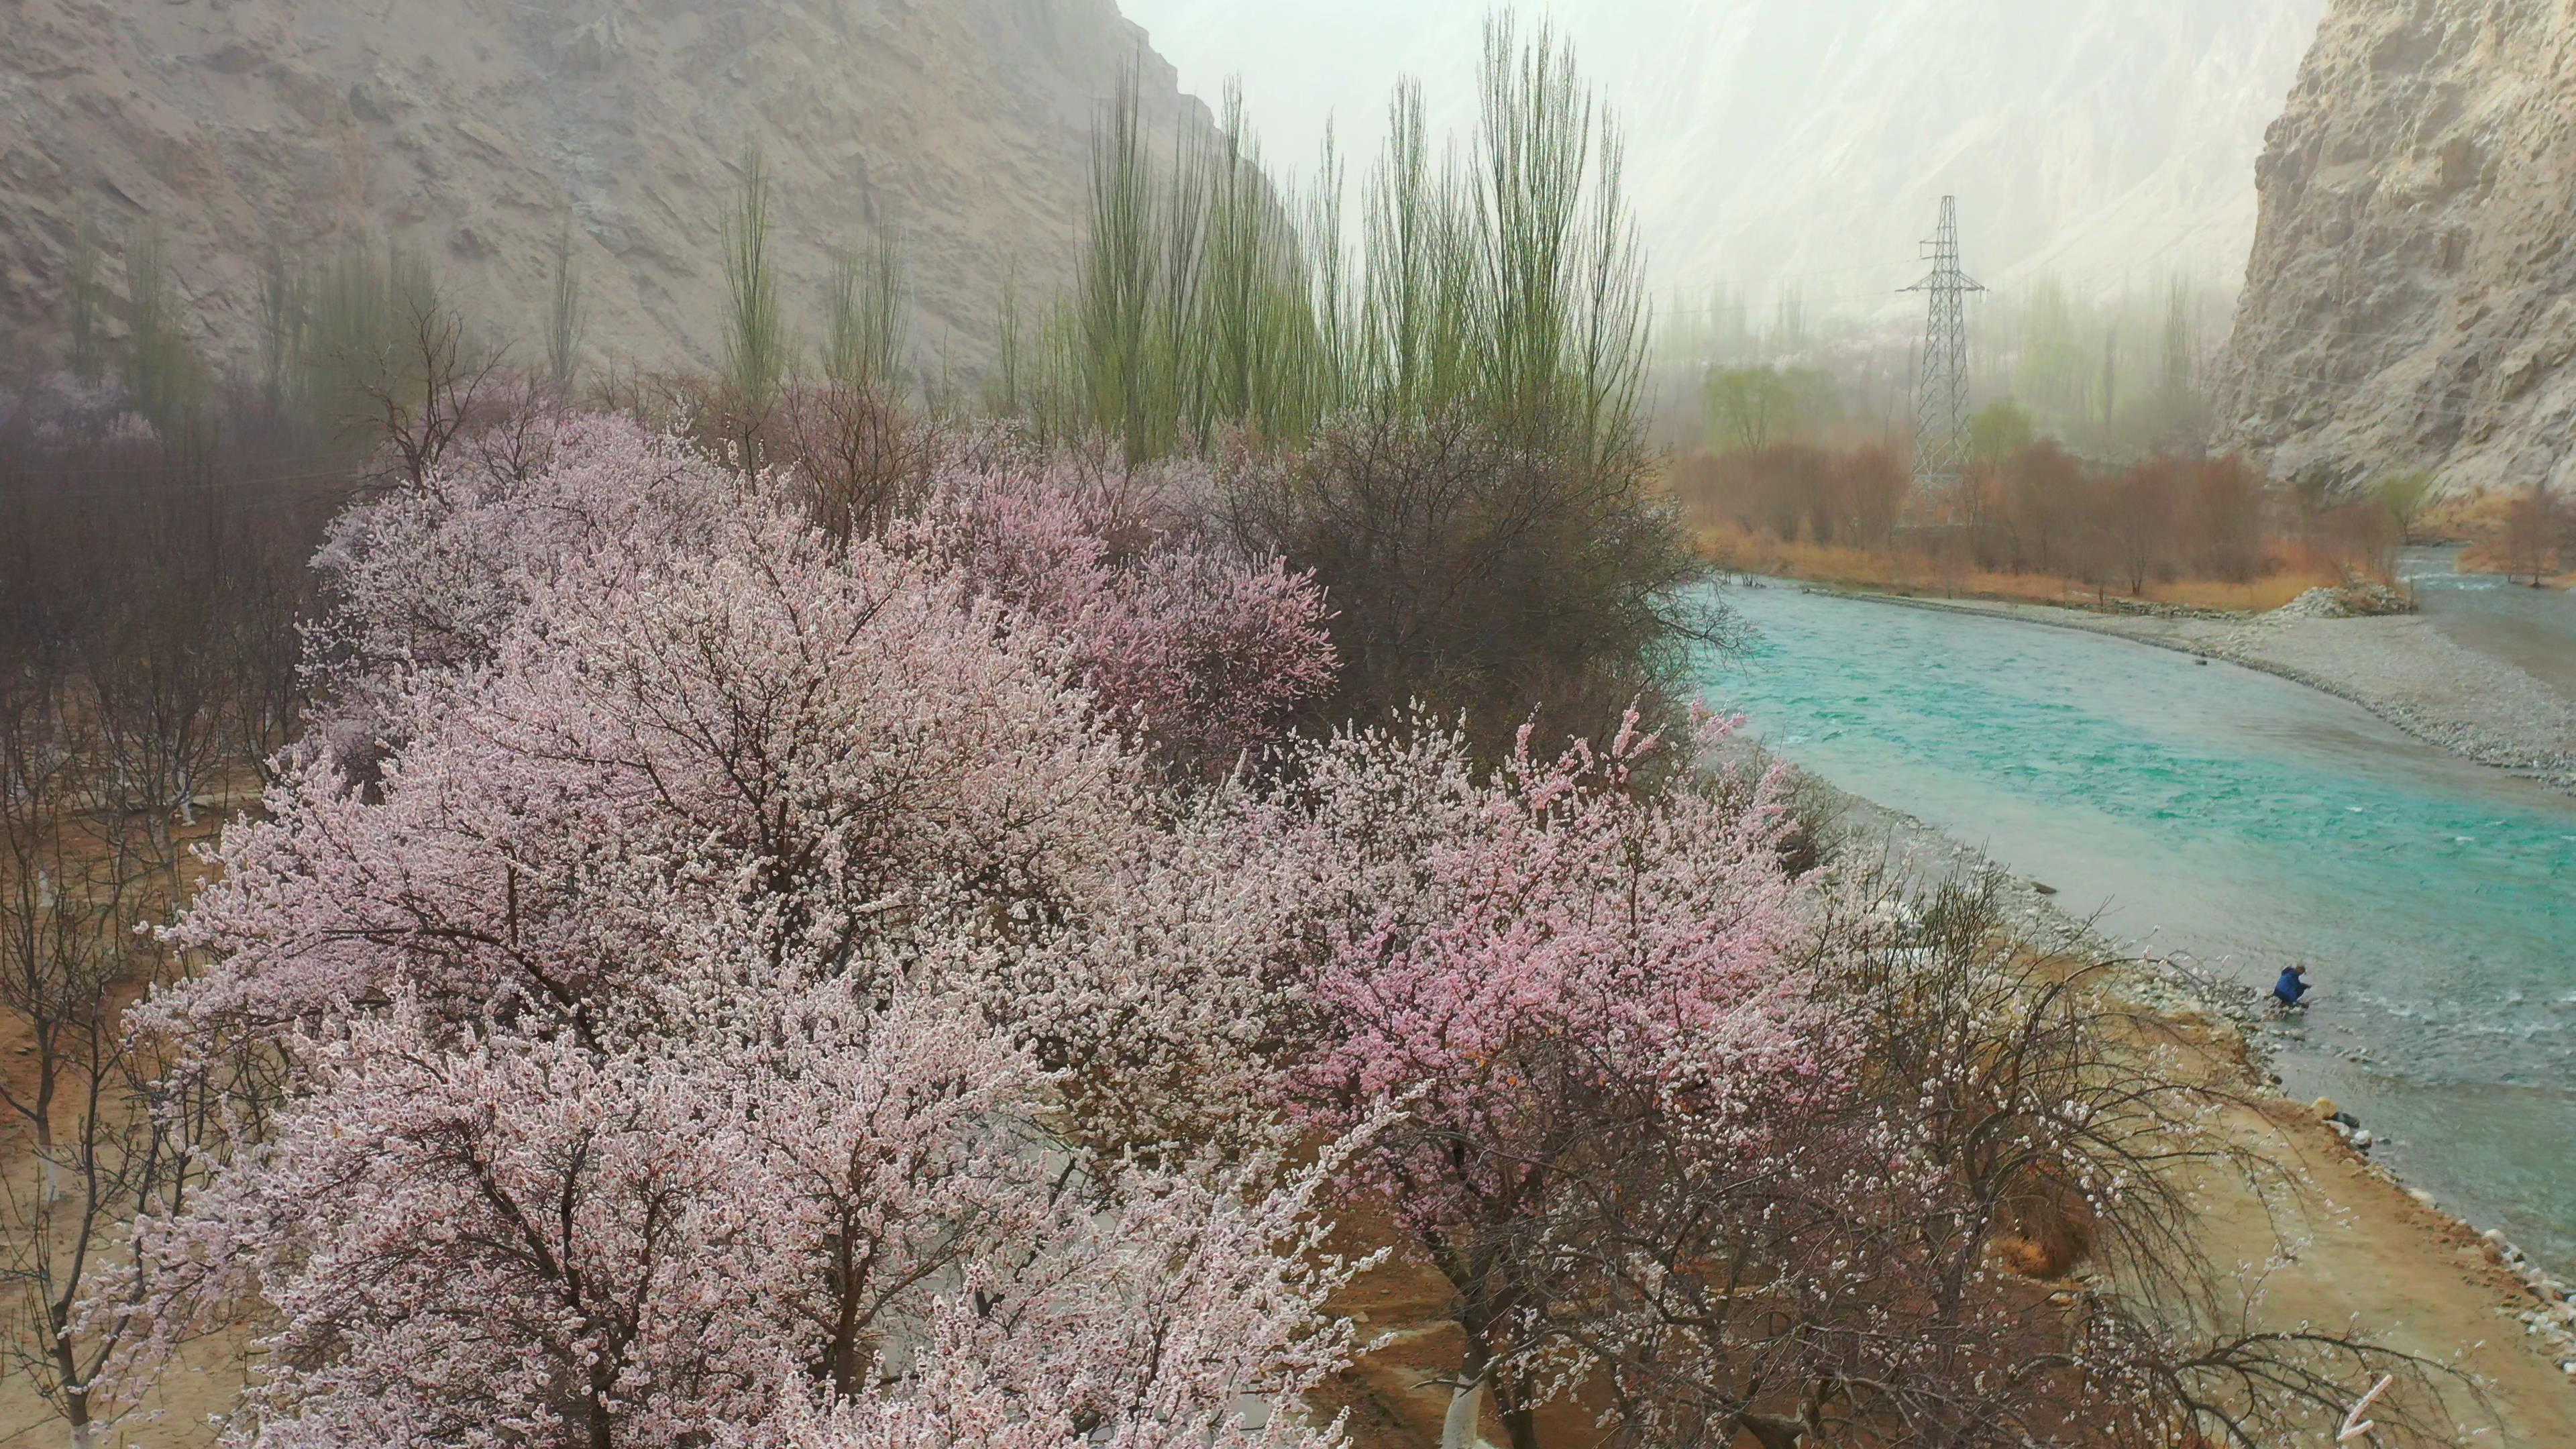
(679, 1024)
(845, 1223)
(1516, 944)
(829, 759)
(1205, 652)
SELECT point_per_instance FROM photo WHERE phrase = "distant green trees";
(865, 324)
(2405, 497)
(1998, 432)
(163, 376)
(2075, 362)
(567, 315)
(1749, 409)
(82, 294)
(757, 351)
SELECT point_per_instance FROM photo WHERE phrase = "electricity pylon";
(1941, 380)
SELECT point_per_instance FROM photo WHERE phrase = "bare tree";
(80, 887)
(859, 457)
(420, 408)
(2137, 522)
(58, 902)
(2531, 532)
(1990, 1242)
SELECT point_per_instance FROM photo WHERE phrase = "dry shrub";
(2038, 524)
(1514, 584)
(1794, 492)
(1840, 1292)
(860, 458)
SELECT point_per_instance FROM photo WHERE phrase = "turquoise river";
(2245, 821)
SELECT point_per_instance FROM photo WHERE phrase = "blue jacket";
(2290, 988)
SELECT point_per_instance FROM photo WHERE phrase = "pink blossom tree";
(662, 1035)
(834, 760)
(1539, 965)
(1205, 652)
(837, 1220)
(432, 576)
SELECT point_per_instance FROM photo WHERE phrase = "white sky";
(1304, 61)
(1778, 139)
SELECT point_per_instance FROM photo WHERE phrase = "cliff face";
(2411, 301)
(465, 130)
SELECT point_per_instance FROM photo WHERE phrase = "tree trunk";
(1467, 1401)
(603, 1382)
(1774, 1431)
(76, 1409)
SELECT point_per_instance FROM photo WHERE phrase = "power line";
(175, 482)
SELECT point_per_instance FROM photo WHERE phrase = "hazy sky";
(1301, 63)
(1807, 143)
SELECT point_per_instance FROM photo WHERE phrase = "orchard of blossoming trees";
(723, 970)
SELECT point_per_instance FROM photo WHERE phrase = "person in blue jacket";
(2292, 988)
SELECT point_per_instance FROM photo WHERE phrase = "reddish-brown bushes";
(2038, 512)
(1796, 492)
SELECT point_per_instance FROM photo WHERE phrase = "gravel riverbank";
(2400, 667)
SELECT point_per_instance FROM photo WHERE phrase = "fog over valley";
(1807, 143)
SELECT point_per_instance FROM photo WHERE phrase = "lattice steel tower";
(1941, 381)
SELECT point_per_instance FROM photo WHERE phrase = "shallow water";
(2532, 628)
(2247, 821)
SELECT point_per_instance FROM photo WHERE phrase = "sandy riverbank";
(2355, 1245)
(2402, 668)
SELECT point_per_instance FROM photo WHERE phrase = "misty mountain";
(466, 131)
(1810, 141)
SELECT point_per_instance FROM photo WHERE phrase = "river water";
(2249, 822)
(2533, 629)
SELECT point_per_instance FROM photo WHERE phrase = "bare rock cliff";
(2411, 302)
(465, 131)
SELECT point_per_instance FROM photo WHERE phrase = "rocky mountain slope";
(466, 130)
(1808, 143)
(2412, 297)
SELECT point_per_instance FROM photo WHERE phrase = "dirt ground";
(2357, 1249)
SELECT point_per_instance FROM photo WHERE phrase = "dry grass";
(2295, 570)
